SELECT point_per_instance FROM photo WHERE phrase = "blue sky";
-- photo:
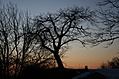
(44, 6)
(76, 57)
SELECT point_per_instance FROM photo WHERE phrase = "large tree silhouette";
(56, 30)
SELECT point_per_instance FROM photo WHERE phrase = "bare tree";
(5, 34)
(108, 16)
(56, 30)
(19, 49)
(11, 34)
(113, 64)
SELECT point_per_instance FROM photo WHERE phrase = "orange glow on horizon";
(78, 57)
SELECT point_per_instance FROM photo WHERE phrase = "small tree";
(113, 64)
(56, 30)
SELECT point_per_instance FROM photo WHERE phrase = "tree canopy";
(108, 19)
(56, 30)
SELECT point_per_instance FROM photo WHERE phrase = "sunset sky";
(77, 56)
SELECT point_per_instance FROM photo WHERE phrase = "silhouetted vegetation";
(108, 18)
(18, 49)
(27, 43)
(33, 46)
(56, 30)
(113, 64)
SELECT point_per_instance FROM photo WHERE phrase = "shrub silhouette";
(113, 64)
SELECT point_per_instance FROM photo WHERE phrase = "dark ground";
(54, 73)
(51, 73)
(95, 76)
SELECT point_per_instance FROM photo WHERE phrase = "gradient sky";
(77, 56)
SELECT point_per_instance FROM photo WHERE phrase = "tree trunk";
(59, 61)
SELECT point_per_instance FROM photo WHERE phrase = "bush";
(113, 64)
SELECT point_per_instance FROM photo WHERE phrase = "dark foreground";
(54, 73)
(51, 73)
